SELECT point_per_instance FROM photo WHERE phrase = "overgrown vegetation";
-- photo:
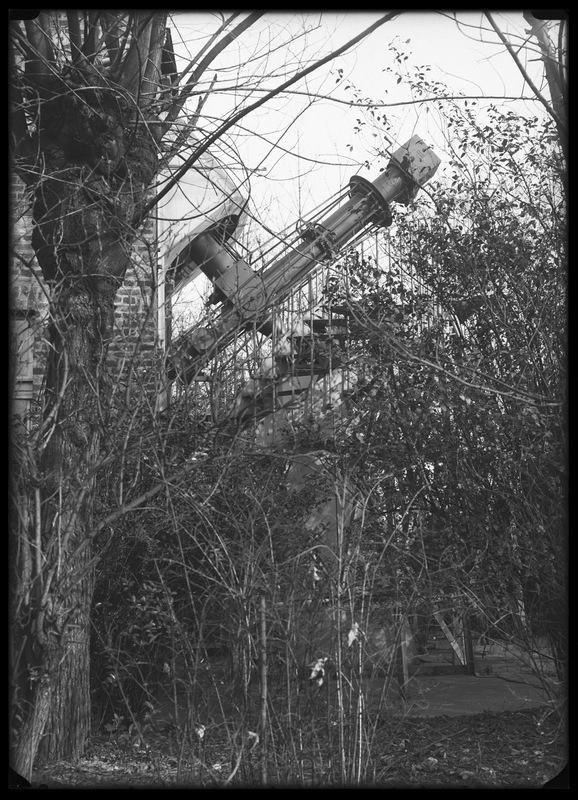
(455, 437)
(212, 623)
(98, 112)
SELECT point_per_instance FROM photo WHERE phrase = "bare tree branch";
(132, 68)
(548, 106)
(74, 35)
(138, 218)
(151, 83)
(91, 42)
(554, 68)
(117, 47)
(206, 46)
(40, 55)
(197, 73)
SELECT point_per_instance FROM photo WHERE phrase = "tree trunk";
(59, 718)
(555, 66)
(29, 736)
(69, 714)
(58, 723)
(98, 164)
(84, 255)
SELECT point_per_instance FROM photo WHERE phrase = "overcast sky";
(323, 132)
(313, 160)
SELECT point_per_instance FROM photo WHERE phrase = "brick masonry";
(135, 334)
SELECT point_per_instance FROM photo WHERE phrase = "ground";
(493, 750)
(502, 728)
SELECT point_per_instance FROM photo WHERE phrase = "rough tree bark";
(99, 162)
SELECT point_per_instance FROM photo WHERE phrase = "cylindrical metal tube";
(334, 232)
(389, 186)
(210, 256)
(249, 296)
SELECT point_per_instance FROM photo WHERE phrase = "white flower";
(353, 634)
(318, 671)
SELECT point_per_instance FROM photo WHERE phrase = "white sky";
(292, 183)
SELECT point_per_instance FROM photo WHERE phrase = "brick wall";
(27, 300)
(135, 313)
(135, 335)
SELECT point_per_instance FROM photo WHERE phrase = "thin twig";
(559, 122)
